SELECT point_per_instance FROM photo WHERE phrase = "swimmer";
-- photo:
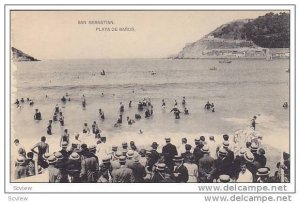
(86, 129)
(176, 112)
(212, 105)
(140, 106)
(285, 105)
(141, 132)
(17, 103)
(121, 108)
(213, 110)
(63, 99)
(37, 115)
(129, 105)
(163, 103)
(61, 119)
(183, 101)
(31, 103)
(175, 104)
(186, 111)
(49, 128)
(28, 99)
(147, 113)
(56, 108)
(207, 105)
(22, 100)
(137, 116)
(129, 121)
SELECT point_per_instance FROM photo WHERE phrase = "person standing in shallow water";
(43, 148)
(37, 116)
(253, 123)
(49, 128)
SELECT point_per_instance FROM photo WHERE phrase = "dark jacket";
(223, 167)
(183, 174)
(138, 170)
(153, 159)
(206, 169)
(169, 151)
(198, 153)
(89, 170)
(123, 175)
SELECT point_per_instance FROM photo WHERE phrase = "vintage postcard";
(196, 96)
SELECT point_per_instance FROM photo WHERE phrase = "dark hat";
(131, 143)
(122, 159)
(253, 147)
(249, 156)
(263, 171)
(21, 160)
(205, 149)
(92, 147)
(118, 154)
(154, 145)
(168, 139)
(225, 137)
(52, 159)
(74, 156)
(222, 152)
(64, 144)
(212, 137)
(58, 155)
(161, 167)
(224, 179)
(106, 159)
(285, 156)
(202, 138)
(114, 148)
(83, 146)
(46, 155)
(184, 139)
(177, 158)
(130, 153)
(124, 144)
(188, 147)
(226, 144)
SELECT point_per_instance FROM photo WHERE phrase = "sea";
(239, 90)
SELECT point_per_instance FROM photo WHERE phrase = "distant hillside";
(269, 31)
(248, 38)
(18, 55)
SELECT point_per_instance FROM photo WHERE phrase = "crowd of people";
(203, 162)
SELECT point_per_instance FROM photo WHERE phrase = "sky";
(157, 34)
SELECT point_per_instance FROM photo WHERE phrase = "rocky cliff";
(18, 55)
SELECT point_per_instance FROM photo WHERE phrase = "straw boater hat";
(178, 158)
(161, 167)
(118, 154)
(64, 144)
(122, 159)
(168, 139)
(253, 147)
(130, 154)
(188, 147)
(224, 179)
(248, 156)
(92, 147)
(265, 171)
(74, 156)
(106, 159)
(21, 160)
(225, 144)
(243, 151)
(197, 140)
(114, 148)
(124, 144)
(52, 159)
(58, 155)
(205, 149)
(222, 152)
(46, 155)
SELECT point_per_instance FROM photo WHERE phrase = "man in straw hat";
(224, 178)
(54, 173)
(169, 151)
(73, 167)
(197, 150)
(137, 168)
(90, 167)
(105, 170)
(180, 172)
(222, 164)
(115, 164)
(263, 175)
(158, 173)
(206, 166)
(249, 158)
(123, 174)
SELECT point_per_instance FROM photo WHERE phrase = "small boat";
(213, 68)
(225, 61)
